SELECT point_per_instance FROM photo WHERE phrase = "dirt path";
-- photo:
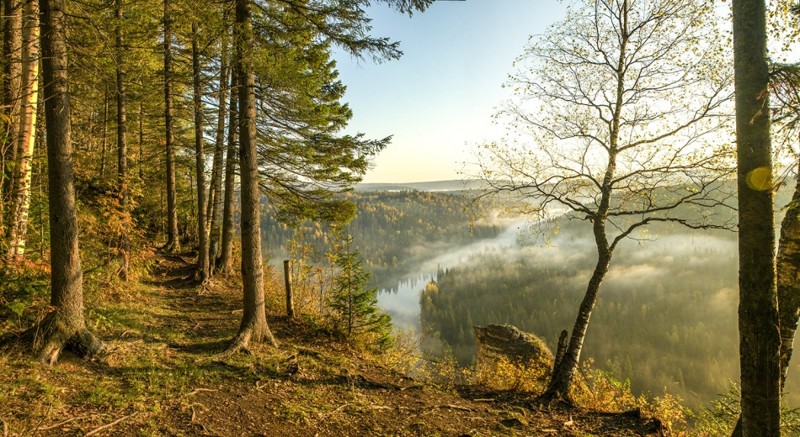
(162, 377)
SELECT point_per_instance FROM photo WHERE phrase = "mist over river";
(401, 301)
(666, 317)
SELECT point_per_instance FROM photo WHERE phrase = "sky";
(438, 99)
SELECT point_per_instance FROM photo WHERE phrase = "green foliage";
(23, 295)
(720, 417)
(354, 306)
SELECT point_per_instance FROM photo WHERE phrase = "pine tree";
(356, 315)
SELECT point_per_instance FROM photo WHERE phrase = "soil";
(162, 376)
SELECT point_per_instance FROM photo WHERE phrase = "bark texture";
(12, 74)
(65, 326)
(253, 328)
(759, 336)
(26, 133)
(122, 143)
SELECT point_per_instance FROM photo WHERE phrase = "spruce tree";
(356, 315)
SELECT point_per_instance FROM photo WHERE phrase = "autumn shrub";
(604, 391)
(404, 356)
(504, 374)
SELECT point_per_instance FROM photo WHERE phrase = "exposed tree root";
(249, 333)
(53, 337)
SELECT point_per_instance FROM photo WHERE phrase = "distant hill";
(450, 185)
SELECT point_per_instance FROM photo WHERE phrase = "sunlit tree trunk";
(788, 268)
(26, 141)
(253, 328)
(203, 265)
(759, 336)
(173, 239)
(65, 326)
(122, 143)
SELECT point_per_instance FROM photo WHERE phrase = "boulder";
(518, 347)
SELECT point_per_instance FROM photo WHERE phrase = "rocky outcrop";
(518, 347)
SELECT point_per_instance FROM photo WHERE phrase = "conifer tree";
(356, 315)
(65, 327)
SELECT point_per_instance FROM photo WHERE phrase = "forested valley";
(186, 248)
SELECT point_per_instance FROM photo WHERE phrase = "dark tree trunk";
(12, 74)
(203, 264)
(122, 142)
(215, 192)
(65, 327)
(225, 261)
(104, 139)
(253, 328)
(173, 239)
(759, 336)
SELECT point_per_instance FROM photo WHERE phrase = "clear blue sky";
(438, 99)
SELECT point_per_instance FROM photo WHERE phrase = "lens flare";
(760, 179)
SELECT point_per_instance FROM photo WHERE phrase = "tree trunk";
(564, 373)
(253, 327)
(203, 265)
(141, 143)
(26, 141)
(215, 192)
(173, 239)
(65, 326)
(225, 261)
(759, 336)
(788, 268)
(122, 144)
(12, 74)
(104, 139)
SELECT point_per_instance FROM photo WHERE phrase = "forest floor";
(162, 376)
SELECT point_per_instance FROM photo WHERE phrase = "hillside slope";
(162, 377)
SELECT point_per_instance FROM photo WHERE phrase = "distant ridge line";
(445, 185)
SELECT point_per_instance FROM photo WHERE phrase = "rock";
(521, 348)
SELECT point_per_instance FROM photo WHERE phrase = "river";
(402, 301)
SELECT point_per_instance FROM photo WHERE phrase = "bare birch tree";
(622, 110)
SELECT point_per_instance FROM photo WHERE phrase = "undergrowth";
(161, 355)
